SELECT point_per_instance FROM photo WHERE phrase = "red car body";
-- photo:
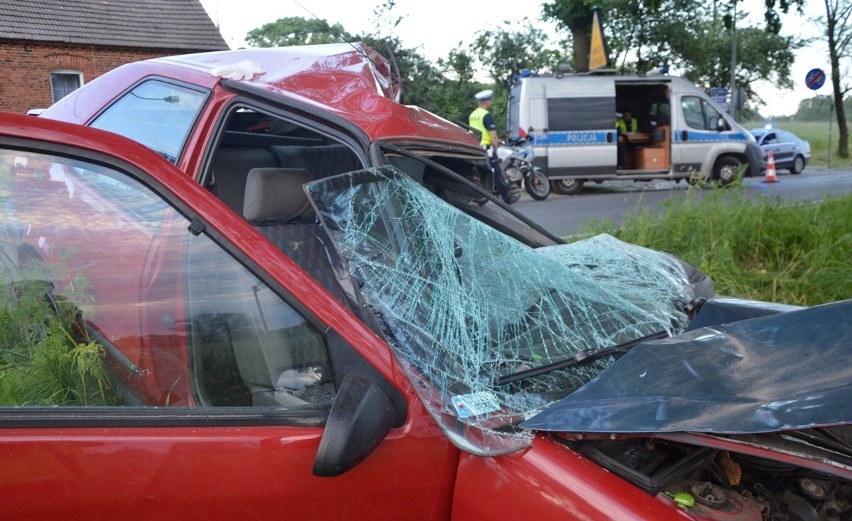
(96, 466)
(174, 457)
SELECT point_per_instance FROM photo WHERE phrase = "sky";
(436, 27)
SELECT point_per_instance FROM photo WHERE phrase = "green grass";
(762, 249)
(816, 133)
(43, 358)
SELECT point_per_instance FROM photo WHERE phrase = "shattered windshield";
(486, 327)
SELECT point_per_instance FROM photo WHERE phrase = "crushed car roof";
(349, 79)
(780, 372)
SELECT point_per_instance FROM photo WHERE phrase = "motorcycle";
(516, 158)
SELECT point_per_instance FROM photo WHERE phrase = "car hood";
(780, 372)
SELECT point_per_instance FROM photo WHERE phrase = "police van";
(677, 132)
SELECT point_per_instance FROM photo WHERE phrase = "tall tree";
(838, 31)
(576, 17)
(693, 37)
(513, 47)
(771, 9)
(646, 35)
(701, 55)
(295, 30)
(456, 99)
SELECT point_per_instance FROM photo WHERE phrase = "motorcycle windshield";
(463, 305)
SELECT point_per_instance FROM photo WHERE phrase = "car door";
(699, 135)
(770, 142)
(785, 148)
(160, 359)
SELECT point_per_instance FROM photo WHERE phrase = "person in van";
(624, 124)
(482, 120)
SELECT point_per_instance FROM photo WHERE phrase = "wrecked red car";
(293, 299)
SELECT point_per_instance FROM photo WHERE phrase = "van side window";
(699, 114)
(692, 113)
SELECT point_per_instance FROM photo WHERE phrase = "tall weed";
(762, 249)
(43, 359)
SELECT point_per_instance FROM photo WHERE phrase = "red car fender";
(550, 481)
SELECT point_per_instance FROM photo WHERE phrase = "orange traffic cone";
(770, 176)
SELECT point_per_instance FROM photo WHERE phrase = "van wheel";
(567, 186)
(726, 170)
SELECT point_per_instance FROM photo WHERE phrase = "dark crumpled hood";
(780, 372)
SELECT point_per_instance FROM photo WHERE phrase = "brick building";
(49, 48)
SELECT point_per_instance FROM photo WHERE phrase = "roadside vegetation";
(45, 357)
(762, 249)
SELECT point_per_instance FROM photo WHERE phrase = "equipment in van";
(680, 133)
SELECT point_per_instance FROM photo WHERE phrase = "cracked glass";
(489, 330)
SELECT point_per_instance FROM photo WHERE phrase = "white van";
(681, 133)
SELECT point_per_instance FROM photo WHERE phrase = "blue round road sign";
(814, 79)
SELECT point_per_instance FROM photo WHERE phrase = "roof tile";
(153, 24)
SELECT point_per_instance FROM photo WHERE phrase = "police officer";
(482, 120)
(624, 124)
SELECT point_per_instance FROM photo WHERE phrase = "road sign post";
(814, 79)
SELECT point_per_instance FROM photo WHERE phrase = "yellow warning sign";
(598, 57)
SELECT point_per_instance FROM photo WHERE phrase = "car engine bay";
(715, 484)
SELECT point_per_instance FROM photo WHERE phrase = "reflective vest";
(621, 125)
(476, 121)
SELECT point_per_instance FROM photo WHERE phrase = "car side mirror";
(360, 418)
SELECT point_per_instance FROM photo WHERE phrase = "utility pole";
(734, 100)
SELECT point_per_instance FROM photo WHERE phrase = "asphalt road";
(566, 214)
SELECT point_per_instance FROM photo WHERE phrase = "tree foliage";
(506, 51)
(772, 7)
(819, 108)
(295, 30)
(692, 37)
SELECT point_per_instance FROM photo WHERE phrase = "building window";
(63, 82)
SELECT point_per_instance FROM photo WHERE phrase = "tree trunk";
(832, 19)
(843, 130)
(582, 44)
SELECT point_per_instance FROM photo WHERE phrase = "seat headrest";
(276, 194)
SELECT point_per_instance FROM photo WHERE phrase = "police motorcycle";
(516, 158)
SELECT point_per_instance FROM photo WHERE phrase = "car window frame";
(164, 79)
(343, 357)
(286, 111)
